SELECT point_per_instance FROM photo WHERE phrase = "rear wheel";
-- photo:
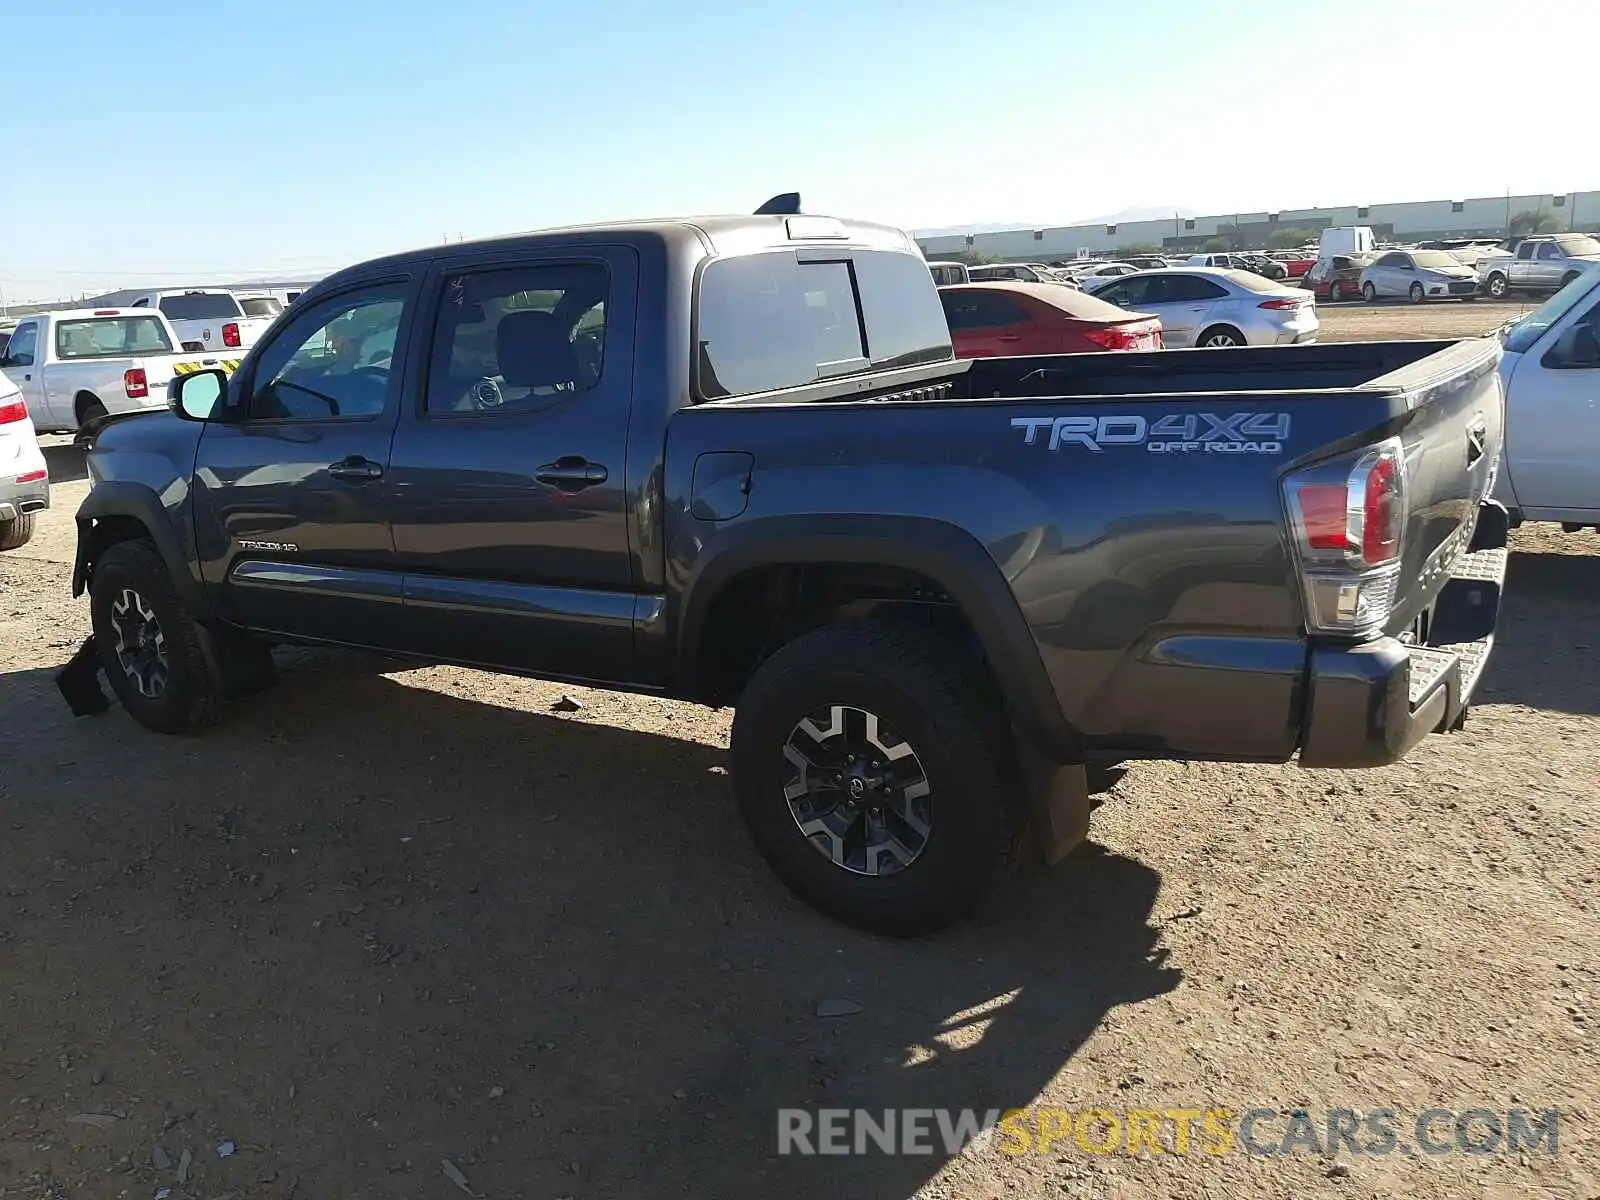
(18, 531)
(1369, 292)
(1220, 337)
(1568, 278)
(1416, 293)
(873, 771)
(88, 408)
(1335, 290)
(1498, 286)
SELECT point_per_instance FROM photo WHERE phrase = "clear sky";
(187, 140)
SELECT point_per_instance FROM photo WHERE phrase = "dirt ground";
(1354, 321)
(393, 933)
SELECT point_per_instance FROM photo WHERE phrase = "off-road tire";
(194, 689)
(18, 531)
(933, 695)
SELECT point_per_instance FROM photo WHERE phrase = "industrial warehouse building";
(1486, 217)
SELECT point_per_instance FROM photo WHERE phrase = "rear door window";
(1179, 289)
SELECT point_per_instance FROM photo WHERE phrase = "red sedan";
(1000, 320)
(1297, 263)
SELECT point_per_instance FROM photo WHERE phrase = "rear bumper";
(18, 497)
(1370, 704)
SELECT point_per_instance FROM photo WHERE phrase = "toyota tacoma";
(733, 460)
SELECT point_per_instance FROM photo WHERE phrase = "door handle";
(1008, 337)
(571, 474)
(355, 467)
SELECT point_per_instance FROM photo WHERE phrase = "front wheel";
(1369, 292)
(1416, 293)
(873, 771)
(154, 652)
(1335, 291)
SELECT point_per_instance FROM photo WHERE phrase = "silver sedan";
(1204, 306)
(1418, 275)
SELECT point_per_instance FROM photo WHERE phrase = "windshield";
(1519, 336)
(108, 337)
(200, 306)
(1436, 260)
(1578, 245)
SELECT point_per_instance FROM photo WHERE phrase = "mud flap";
(1058, 801)
(79, 682)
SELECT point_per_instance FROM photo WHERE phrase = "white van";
(948, 272)
(1346, 239)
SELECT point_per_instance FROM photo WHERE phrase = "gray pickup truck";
(1538, 264)
(733, 460)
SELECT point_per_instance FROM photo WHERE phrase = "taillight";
(1347, 524)
(230, 335)
(135, 383)
(1124, 337)
(13, 410)
(1283, 302)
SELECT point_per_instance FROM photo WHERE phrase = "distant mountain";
(1148, 212)
(990, 227)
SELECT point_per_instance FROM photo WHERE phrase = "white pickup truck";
(1551, 372)
(207, 319)
(75, 365)
(1539, 264)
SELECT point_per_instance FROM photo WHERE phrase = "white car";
(1418, 275)
(1203, 306)
(1551, 371)
(207, 319)
(78, 364)
(1093, 280)
(24, 477)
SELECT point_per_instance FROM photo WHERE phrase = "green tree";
(1532, 222)
(1289, 239)
(1217, 245)
(1138, 248)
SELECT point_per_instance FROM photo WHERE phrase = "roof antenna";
(785, 205)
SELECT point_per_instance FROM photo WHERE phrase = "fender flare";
(122, 498)
(949, 556)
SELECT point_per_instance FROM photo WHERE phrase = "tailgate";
(165, 369)
(1452, 440)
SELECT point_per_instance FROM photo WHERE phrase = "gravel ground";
(384, 920)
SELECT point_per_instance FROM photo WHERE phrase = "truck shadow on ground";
(366, 926)
(1546, 642)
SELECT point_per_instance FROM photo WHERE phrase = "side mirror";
(194, 396)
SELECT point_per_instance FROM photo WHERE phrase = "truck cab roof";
(705, 236)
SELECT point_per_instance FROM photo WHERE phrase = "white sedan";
(1203, 306)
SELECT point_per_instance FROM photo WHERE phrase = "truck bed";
(1133, 502)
